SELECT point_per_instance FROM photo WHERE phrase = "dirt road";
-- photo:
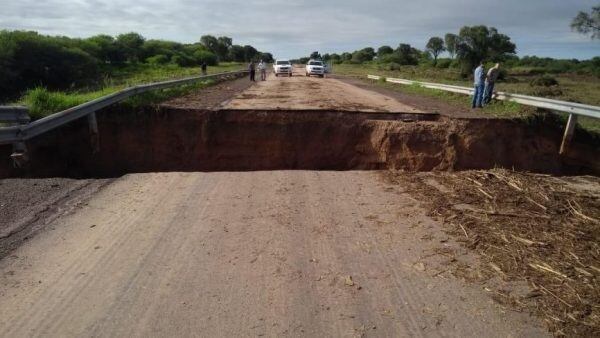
(264, 253)
(307, 93)
(285, 253)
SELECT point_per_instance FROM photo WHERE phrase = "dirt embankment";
(171, 139)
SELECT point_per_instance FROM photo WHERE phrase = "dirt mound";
(168, 139)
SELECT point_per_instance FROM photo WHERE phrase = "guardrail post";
(19, 155)
(94, 135)
(569, 131)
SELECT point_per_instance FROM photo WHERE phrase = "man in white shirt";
(263, 70)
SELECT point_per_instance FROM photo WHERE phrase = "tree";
(106, 49)
(405, 54)
(219, 46)
(209, 42)
(204, 56)
(250, 53)
(160, 47)
(131, 44)
(236, 53)
(363, 55)
(335, 58)
(435, 46)
(267, 57)
(384, 50)
(451, 44)
(588, 23)
(222, 49)
(480, 43)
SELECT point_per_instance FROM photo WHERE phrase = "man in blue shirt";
(479, 83)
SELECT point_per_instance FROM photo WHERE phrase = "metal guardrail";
(21, 130)
(21, 133)
(14, 114)
(573, 109)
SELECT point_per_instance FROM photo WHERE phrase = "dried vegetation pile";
(541, 229)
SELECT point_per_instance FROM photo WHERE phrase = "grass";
(42, 102)
(575, 88)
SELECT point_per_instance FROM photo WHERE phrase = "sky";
(292, 29)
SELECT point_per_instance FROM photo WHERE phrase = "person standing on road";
(479, 83)
(490, 82)
(262, 68)
(204, 66)
(252, 70)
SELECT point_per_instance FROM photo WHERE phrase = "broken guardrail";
(21, 130)
(573, 109)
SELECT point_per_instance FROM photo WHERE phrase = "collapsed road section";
(293, 123)
(169, 139)
(297, 252)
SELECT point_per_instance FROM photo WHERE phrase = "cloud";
(290, 29)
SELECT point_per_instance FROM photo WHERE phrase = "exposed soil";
(28, 205)
(188, 140)
(525, 227)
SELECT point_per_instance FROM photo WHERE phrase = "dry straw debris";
(541, 229)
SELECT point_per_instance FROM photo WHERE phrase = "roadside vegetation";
(42, 102)
(55, 72)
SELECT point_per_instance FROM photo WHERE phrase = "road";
(279, 253)
(305, 93)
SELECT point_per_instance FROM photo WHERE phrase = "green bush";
(443, 63)
(28, 59)
(394, 66)
(158, 59)
(528, 71)
(201, 56)
(183, 60)
(547, 91)
(544, 81)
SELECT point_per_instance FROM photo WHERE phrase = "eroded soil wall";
(168, 139)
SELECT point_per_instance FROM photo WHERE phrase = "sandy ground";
(312, 93)
(278, 253)
(29, 205)
(284, 253)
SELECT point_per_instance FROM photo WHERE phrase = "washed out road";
(236, 254)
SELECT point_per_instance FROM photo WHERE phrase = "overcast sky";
(295, 28)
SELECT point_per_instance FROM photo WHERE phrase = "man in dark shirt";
(204, 66)
(252, 69)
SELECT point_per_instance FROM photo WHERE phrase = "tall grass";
(42, 102)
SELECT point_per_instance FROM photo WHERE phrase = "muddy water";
(170, 139)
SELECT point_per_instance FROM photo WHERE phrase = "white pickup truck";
(315, 67)
(283, 67)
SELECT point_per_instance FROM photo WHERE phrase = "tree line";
(466, 49)
(469, 46)
(29, 59)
